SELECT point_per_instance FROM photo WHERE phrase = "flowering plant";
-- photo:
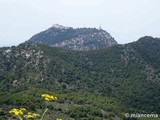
(21, 113)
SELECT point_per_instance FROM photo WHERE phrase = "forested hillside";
(90, 85)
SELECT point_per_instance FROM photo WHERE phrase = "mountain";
(79, 39)
(101, 84)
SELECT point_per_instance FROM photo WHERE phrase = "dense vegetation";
(91, 85)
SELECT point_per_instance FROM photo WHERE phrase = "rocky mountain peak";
(78, 39)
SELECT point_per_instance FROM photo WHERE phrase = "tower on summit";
(100, 28)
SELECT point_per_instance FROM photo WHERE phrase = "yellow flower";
(48, 97)
(17, 112)
(23, 109)
(58, 119)
(31, 115)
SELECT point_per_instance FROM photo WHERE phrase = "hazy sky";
(125, 20)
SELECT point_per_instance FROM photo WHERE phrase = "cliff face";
(79, 39)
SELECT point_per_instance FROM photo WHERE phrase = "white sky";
(125, 20)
